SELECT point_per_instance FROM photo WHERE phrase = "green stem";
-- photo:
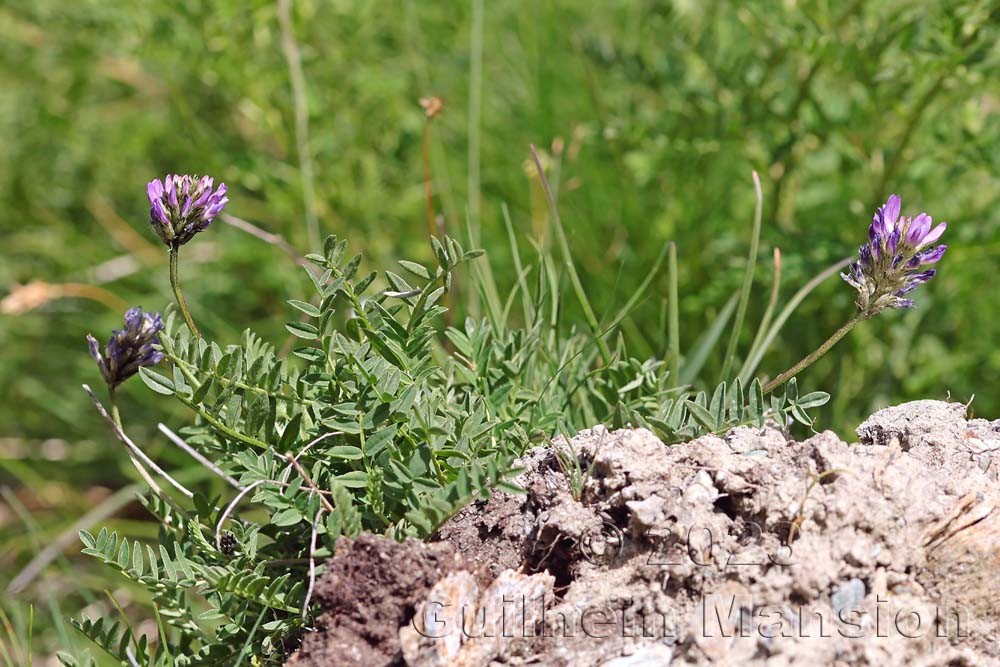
(811, 358)
(188, 369)
(235, 435)
(178, 295)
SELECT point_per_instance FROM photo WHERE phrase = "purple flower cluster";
(895, 260)
(128, 348)
(182, 206)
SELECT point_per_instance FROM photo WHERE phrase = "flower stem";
(176, 286)
(811, 358)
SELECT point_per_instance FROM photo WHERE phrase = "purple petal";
(929, 256)
(154, 190)
(158, 214)
(203, 199)
(918, 229)
(133, 317)
(865, 255)
(215, 209)
(171, 188)
(877, 228)
(894, 239)
(934, 234)
(95, 349)
(890, 211)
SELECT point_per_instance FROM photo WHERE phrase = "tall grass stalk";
(673, 318)
(772, 302)
(741, 308)
(475, 117)
(293, 58)
(754, 360)
(581, 295)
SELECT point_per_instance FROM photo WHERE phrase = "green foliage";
(727, 408)
(364, 426)
(372, 425)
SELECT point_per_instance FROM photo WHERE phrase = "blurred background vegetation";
(652, 115)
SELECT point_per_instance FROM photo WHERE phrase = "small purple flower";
(128, 348)
(893, 262)
(182, 206)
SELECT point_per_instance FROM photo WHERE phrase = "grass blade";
(638, 295)
(528, 305)
(588, 312)
(765, 321)
(786, 312)
(695, 361)
(482, 274)
(673, 317)
(741, 310)
(475, 117)
(300, 106)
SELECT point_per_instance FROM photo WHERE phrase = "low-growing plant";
(384, 419)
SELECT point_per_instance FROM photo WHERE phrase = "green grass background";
(653, 115)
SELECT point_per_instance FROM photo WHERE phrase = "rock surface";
(747, 549)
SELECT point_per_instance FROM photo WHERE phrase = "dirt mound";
(748, 549)
(370, 589)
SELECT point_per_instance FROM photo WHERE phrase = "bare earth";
(749, 549)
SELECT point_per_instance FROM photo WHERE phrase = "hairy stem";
(811, 358)
(146, 477)
(178, 295)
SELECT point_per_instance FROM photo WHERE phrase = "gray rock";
(847, 596)
(915, 424)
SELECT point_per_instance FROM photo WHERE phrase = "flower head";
(894, 261)
(182, 206)
(128, 348)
